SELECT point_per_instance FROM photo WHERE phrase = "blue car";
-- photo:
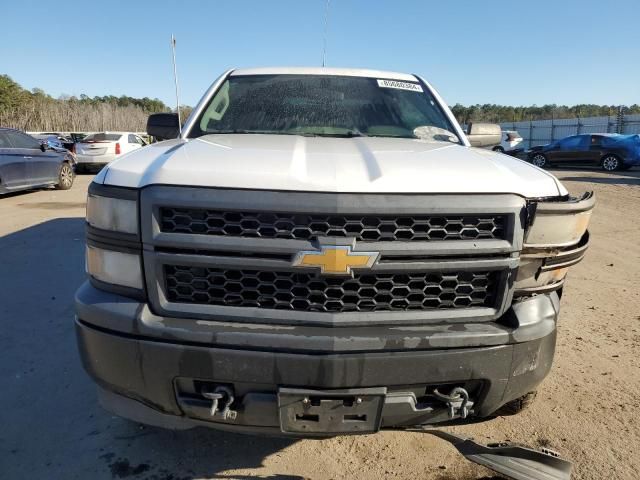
(25, 163)
(52, 141)
(609, 151)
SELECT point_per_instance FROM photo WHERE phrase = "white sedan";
(98, 149)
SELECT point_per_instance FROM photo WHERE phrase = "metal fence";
(540, 132)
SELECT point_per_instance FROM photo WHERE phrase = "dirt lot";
(51, 426)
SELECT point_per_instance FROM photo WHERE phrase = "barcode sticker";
(414, 87)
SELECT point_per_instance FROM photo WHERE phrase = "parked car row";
(45, 159)
(26, 163)
(608, 150)
(53, 159)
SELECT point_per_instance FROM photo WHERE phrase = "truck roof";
(345, 72)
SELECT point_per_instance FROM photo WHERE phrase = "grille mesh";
(308, 226)
(369, 292)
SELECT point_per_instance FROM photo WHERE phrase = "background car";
(54, 141)
(608, 150)
(65, 141)
(97, 149)
(26, 163)
(511, 143)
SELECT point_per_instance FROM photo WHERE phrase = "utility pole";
(620, 119)
(324, 37)
(175, 79)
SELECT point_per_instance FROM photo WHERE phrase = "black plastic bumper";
(148, 371)
(514, 152)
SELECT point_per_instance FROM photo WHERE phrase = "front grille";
(307, 226)
(285, 290)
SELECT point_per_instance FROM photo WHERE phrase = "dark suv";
(607, 150)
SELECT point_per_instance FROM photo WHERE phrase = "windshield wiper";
(241, 131)
(348, 134)
(392, 136)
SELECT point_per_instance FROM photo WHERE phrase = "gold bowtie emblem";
(335, 260)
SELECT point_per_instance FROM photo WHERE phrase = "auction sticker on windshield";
(414, 87)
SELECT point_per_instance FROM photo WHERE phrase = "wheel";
(516, 406)
(65, 177)
(611, 163)
(498, 149)
(539, 160)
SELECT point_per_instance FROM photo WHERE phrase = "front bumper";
(515, 151)
(149, 368)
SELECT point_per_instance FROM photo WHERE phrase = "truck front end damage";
(304, 313)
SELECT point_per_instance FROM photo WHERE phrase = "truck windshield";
(324, 105)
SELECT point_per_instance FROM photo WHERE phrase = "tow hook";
(221, 400)
(457, 401)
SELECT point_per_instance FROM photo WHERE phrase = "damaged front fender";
(556, 238)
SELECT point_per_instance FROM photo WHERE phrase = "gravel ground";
(52, 427)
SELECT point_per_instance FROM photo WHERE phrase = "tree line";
(502, 113)
(35, 110)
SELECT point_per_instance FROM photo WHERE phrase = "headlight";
(559, 224)
(114, 249)
(114, 214)
(557, 239)
(116, 268)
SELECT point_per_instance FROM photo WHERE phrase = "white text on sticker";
(414, 87)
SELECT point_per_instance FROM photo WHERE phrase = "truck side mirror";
(163, 126)
(484, 134)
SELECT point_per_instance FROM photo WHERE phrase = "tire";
(65, 177)
(539, 160)
(498, 149)
(611, 163)
(516, 406)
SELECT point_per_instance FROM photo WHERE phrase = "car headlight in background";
(113, 214)
(556, 239)
(115, 268)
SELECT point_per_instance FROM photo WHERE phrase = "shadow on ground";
(631, 177)
(613, 180)
(52, 205)
(26, 191)
(52, 426)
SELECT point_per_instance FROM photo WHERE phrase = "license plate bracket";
(326, 412)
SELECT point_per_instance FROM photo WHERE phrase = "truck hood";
(324, 164)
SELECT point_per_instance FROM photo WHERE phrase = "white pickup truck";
(320, 251)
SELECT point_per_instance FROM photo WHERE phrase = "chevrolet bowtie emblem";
(335, 260)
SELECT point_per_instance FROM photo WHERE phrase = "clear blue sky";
(507, 52)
